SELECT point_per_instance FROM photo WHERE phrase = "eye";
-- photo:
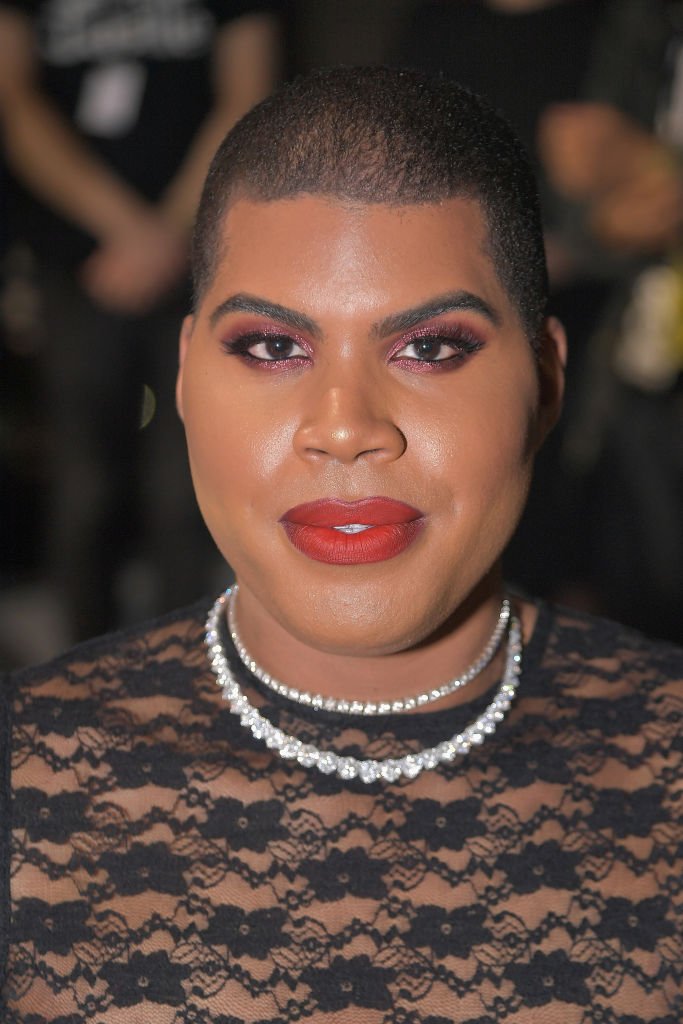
(438, 348)
(430, 350)
(264, 347)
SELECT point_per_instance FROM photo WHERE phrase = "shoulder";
(607, 680)
(158, 658)
(583, 647)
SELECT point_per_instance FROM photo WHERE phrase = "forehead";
(339, 258)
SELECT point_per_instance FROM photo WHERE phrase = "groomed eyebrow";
(243, 303)
(402, 321)
(449, 303)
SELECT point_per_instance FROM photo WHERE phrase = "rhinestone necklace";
(367, 770)
(359, 707)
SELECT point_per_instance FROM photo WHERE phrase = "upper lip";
(376, 511)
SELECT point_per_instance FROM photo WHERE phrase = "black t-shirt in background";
(520, 61)
(155, 56)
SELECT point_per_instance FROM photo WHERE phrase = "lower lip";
(376, 544)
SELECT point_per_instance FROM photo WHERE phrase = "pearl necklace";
(359, 707)
(368, 770)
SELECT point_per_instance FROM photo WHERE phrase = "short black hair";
(383, 135)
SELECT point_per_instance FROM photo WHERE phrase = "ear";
(551, 362)
(185, 335)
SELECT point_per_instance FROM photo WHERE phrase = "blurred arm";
(139, 255)
(46, 154)
(244, 70)
(629, 181)
(142, 249)
(246, 63)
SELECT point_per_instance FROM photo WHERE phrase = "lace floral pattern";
(164, 867)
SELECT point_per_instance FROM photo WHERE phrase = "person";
(110, 114)
(616, 157)
(375, 786)
(595, 102)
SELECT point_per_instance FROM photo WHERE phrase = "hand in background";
(629, 180)
(142, 250)
(134, 267)
(644, 213)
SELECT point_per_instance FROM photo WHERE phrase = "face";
(362, 410)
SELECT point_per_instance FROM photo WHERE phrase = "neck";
(448, 652)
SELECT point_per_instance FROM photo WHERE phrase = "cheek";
(481, 445)
(234, 446)
(210, 421)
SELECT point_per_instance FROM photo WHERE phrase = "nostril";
(353, 447)
(347, 424)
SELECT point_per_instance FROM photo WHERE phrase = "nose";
(346, 424)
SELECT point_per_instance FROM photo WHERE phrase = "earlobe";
(552, 361)
(185, 335)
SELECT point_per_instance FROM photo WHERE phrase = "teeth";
(352, 528)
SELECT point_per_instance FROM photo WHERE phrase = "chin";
(356, 639)
(362, 622)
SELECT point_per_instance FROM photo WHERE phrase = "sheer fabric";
(163, 867)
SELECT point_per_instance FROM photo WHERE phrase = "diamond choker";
(366, 770)
(359, 707)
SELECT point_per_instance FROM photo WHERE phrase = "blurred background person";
(616, 160)
(110, 114)
(593, 87)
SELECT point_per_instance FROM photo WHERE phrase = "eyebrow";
(243, 303)
(401, 321)
(449, 303)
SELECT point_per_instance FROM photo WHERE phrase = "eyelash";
(461, 340)
(241, 345)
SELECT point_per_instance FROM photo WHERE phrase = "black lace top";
(163, 867)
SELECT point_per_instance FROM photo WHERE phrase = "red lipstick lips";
(352, 532)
